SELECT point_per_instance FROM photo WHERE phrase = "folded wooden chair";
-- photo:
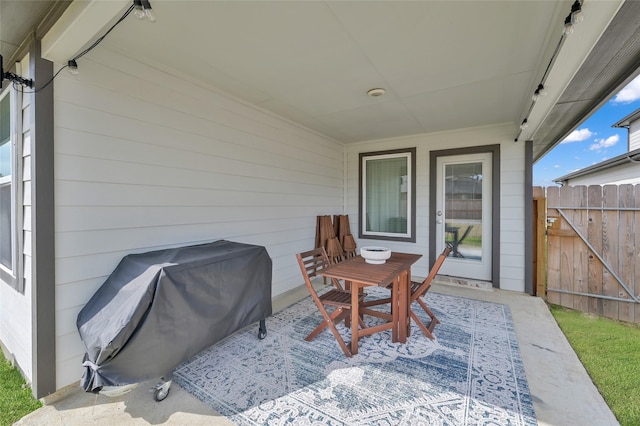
(311, 263)
(418, 292)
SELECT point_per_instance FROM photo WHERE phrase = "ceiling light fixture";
(138, 9)
(374, 93)
(539, 93)
(577, 15)
(568, 26)
(142, 10)
(72, 66)
(148, 11)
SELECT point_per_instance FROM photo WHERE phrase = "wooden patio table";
(357, 273)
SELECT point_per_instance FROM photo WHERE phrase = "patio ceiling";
(21, 20)
(444, 64)
(17, 19)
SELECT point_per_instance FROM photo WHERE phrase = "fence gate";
(592, 257)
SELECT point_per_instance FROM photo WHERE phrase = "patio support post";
(43, 304)
(528, 217)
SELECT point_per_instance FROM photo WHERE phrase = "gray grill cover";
(160, 308)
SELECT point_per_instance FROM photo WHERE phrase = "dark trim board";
(528, 217)
(495, 202)
(43, 306)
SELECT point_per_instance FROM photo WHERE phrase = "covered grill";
(160, 308)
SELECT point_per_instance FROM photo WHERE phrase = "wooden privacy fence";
(593, 235)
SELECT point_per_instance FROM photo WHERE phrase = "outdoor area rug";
(471, 374)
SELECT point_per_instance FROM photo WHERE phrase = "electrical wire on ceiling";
(575, 17)
(142, 10)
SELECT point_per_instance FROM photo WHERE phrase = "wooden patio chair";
(349, 246)
(418, 292)
(335, 254)
(311, 263)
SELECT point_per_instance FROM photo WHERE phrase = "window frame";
(410, 154)
(11, 275)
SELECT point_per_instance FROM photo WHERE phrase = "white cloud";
(630, 93)
(557, 166)
(604, 143)
(578, 135)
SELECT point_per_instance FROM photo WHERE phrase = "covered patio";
(247, 120)
(562, 392)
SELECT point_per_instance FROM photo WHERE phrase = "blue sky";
(593, 141)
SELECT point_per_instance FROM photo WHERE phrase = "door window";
(463, 210)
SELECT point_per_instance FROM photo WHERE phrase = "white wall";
(511, 197)
(512, 214)
(634, 135)
(15, 307)
(623, 174)
(145, 160)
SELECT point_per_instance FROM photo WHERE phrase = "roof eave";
(612, 63)
(604, 165)
(626, 121)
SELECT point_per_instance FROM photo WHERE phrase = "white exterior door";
(463, 214)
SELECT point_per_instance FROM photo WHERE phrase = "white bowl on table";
(375, 255)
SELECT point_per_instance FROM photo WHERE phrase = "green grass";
(610, 352)
(16, 399)
(469, 241)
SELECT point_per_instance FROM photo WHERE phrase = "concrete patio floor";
(561, 389)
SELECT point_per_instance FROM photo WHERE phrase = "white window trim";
(13, 276)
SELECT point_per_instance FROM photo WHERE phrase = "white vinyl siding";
(625, 171)
(512, 193)
(628, 173)
(634, 135)
(15, 299)
(512, 216)
(146, 160)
